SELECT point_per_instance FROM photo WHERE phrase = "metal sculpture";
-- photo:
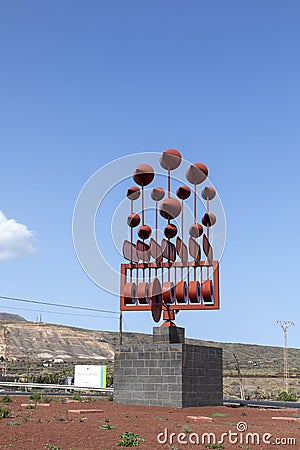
(149, 282)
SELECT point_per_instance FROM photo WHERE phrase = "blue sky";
(85, 83)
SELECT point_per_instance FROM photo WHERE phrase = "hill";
(11, 317)
(43, 341)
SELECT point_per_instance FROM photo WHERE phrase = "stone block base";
(168, 374)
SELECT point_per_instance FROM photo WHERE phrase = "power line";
(59, 313)
(57, 305)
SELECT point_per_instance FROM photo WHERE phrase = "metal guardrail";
(262, 403)
(54, 386)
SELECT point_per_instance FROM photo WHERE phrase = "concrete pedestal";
(168, 372)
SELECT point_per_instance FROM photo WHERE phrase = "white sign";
(90, 376)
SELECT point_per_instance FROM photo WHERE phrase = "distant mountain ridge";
(43, 341)
(11, 317)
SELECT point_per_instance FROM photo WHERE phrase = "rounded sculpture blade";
(155, 295)
(143, 251)
(181, 250)
(207, 248)
(168, 250)
(156, 250)
(194, 249)
(129, 252)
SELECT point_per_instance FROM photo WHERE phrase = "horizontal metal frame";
(174, 306)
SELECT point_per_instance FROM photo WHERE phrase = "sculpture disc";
(155, 295)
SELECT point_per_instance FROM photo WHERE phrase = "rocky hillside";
(11, 317)
(42, 341)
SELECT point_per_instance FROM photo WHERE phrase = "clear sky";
(85, 83)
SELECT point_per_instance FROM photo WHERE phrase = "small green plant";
(52, 447)
(6, 399)
(76, 397)
(110, 398)
(219, 415)
(35, 397)
(174, 447)
(4, 412)
(129, 439)
(186, 429)
(107, 426)
(163, 419)
(13, 422)
(285, 396)
(217, 446)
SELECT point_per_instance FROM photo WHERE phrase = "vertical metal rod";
(121, 327)
(143, 212)
(182, 220)
(131, 239)
(156, 220)
(195, 203)
(169, 265)
(169, 195)
(131, 249)
(207, 234)
(201, 279)
(182, 224)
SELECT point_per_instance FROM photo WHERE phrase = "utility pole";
(237, 367)
(285, 324)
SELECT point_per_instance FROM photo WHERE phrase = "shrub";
(76, 397)
(35, 397)
(14, 422)
(6, 399)
(4, 412)
(214, 446)
(129, 439)
(107, 426)
(52, 447)
(285, 396)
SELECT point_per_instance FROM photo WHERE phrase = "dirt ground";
(55, 427)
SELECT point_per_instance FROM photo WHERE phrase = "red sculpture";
(164, 277)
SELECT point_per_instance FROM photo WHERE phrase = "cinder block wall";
(168, 374)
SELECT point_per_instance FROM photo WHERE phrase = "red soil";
(41, 427)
